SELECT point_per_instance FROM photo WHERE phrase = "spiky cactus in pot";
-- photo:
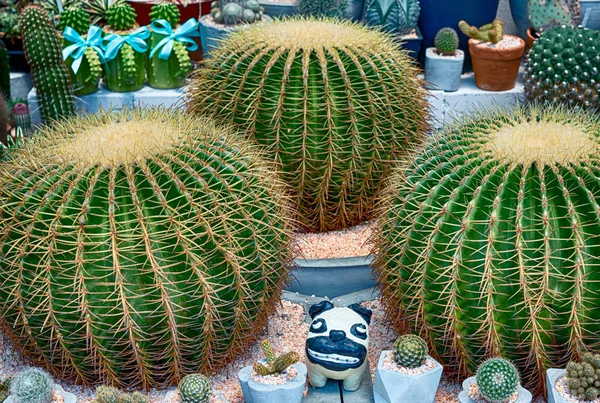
(194, 388)
(274, 364)
(170, 232)
(98, 10)
(76, 18)
(564, 67)
(410, 351)
(32, 385)
(396, 16)
(333, 103)
(583, 378)
(165, 11)
(233, 12)
(49, 73)
(446, 41)
(493, 32)
(121, 17)
(497, 380)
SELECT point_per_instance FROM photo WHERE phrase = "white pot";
(289, 392)
(523, 397)
(443, 72)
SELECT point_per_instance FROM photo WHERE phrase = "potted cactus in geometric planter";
(444, 62)
(579, 382)
(35, 385)
(274, 379)
(169, 46)
(497, 380)
(194, 388)
(124, 50)
(407, 373)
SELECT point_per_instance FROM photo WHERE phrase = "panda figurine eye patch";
(337, 344)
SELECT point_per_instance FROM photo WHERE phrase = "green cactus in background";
(98, 9)
(32, 385)
(333, 140)
(563, 66)
(166, 11)
(183, 281)
(53, 8)
(446, 41)
(583, 378)
(76, 18)
(410, 351)
(22, 118)
(4, 130)
(121, 17)
(194, 388)
(4, 72)
(49, 73)
(487, 241)
(397, 16)
(275, 364)
(493, 32)
(322, 8)
(232, 12)
(497, 380)
(107, 394)
(4, 389)
(547, 14)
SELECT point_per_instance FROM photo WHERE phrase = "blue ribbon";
(76, 51)
(183, 34)
(137, 40)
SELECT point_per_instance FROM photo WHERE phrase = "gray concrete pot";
(443, 72)
(587, 5)
(332, 277)
(552, 375)
(524, 394)
(68, 397)
(290, 392)
(395, 387)
(211, 35)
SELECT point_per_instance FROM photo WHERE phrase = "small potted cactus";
(225, 16)
(579, 382)
(124, 50)
(444, 62)
(194, 388)
(497, 380)
(496, 57)
(275, 378)
(35, 385)
(169, 45)
(407, 373)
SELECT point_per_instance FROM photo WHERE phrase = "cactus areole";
(489, 243)
(138, 247)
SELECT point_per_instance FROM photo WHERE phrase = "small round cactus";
(121, 16)
(497, 380)
(583, 378)
(32, 385)
(194, 388)
(76, 18)
(232, 14)
(410, 351)
(446, 41)
(165, 11)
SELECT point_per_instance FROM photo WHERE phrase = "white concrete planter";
(68, 397)
(443, 72)
(396, 387)
(290, 392)
(524, 394)
(552, 375)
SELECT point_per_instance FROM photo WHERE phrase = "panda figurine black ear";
(319, 308)
(363, 312)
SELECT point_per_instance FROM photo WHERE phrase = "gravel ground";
(350, 242)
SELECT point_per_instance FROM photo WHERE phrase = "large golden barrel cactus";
(138, 246)
(489, 244)
(335, 104)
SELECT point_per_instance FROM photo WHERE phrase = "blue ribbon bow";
(136, 39)
(183, 34)
(92, 40)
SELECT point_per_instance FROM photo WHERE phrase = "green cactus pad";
(194, 388)
(155, 245)
(547, 14)
(76, 18)
(497, 380)
(410, 351)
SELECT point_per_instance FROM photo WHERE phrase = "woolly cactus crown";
(446, 41)
(166, 11)
(76, 18)
(121, 16)
(32, 385)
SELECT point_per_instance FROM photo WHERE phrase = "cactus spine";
(497, 380)
(49, 73)
(275, 364)
(446, 41)
(493, 32)
(397, 16)
(547, 14)
(182, 282)
(76, 18)
(501, 212)
(194, 388)
(333, 103)
(166, 11)
(410, 351)
(32, 385)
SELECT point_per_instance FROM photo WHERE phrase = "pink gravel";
(350, 242)
(273, 379)
(476, 396)
(391, 365)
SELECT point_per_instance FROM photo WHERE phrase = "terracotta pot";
(496, 68)
(531, 37)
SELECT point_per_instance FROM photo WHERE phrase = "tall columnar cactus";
(275, 364)
(334, 103)
(410, 351)
(497, 380)
(76, 18)
(149, 244)
(32, 385)
(488, 241)
(547, 14)
(564, 66)
(49, 73)
(166, 11)
(397, 16)
(194, 388)
(121, 17)
(4, 72)
(3, 121)
(583, 378)
(322, 8)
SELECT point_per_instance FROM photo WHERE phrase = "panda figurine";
(337, 344)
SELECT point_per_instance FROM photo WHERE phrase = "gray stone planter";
(395, 387)
(588, 5)
(290, 392)
(552, 375)
(332, 277)
(68, 397)
(524, 394)
(592, 18)
(443, 72)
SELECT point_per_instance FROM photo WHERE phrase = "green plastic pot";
(163, 74)
(114, 77)
(82, 81)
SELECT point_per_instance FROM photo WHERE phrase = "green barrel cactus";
(396, 16)
(32, 385)
(547, 14)
(583, 378)
(410, 351)
(146, 245)
(49, 73)
(194, 388)
(446, 41)
(76, 18)
(564, 67)
(488, 242)
(497, 380)
(165, 11)
(335, 104)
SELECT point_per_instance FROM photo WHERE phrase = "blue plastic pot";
(211, 35)
(413, 45)
(437, 14)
